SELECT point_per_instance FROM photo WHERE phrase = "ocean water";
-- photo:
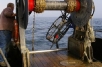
(41, 26)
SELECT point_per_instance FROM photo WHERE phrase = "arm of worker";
(13, 15)
(9, 12)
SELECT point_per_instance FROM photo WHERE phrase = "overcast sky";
(97, 14)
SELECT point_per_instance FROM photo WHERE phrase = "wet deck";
(58, 59)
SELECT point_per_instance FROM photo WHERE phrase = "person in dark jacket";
(6, 27)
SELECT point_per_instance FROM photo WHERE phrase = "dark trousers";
(5, 38)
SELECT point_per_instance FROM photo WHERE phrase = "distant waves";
(41, 27)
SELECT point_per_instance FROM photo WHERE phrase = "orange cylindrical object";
(16, 31)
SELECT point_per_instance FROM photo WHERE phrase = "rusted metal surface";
(82, 17)
(76, 47)
(80, 43)
(71, 5)
(40, 6)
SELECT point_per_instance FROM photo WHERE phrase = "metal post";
(42, 51)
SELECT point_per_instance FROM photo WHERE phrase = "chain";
(33, 32)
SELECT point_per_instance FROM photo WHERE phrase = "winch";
(76, 13)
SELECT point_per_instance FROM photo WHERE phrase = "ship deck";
(58, 59)
(55, 58)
